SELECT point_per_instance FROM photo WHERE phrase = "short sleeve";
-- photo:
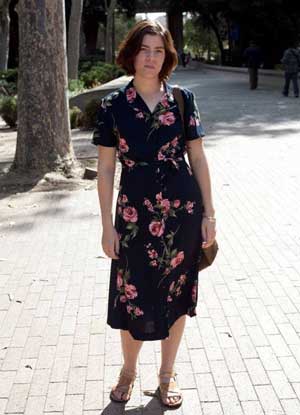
(193, 126)
(104, 132)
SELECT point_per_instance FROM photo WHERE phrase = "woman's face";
(149, 60)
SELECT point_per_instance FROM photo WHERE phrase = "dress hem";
(191, 312)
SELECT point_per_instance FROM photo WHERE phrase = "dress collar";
(132, 94)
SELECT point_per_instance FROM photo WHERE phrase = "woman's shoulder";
(113, 98)
(187, 94)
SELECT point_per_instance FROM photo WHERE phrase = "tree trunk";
(44, 139)
(218, 36)
(109, 29)
(74, 38)
(175, 25)
(4, 33)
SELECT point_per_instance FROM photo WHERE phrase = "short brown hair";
(131, 45)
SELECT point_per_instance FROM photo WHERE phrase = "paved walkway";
(241, 354)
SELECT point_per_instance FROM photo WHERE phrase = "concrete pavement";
(241, 354)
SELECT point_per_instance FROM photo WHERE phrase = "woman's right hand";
(110, 242)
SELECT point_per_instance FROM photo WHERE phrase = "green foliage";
(75, 117)
(90, 113)
(273, 24)
(8, 110)
(99, 74)
(10, 75)
(8, 82)
(200, 40)
(75, 85)
(122, 25)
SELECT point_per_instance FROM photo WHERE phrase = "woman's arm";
(199, 166)
(106, 173)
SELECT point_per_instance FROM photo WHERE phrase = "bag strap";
(179, 99)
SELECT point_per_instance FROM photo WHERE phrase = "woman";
(164, 211)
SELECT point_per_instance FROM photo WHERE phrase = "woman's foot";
(168, 390)
(121, 392)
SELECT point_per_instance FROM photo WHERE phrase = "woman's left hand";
(208, 229)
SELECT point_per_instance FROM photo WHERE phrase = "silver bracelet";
(210, 218)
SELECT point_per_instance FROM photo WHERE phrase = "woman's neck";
(148, 86)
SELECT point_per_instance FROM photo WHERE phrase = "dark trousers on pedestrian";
(291, 76)
(253, 77)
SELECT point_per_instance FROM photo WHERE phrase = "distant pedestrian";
(188, 58)
(253, 57)
(291, 62)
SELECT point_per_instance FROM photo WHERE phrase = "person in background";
(291, 62)
(188, 58)
(253, 57)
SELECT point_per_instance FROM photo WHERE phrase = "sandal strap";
(170, 387)
(125, 382)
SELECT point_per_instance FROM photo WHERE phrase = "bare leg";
(131, 349)
(169, 348)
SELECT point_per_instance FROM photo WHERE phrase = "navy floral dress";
(158, 213)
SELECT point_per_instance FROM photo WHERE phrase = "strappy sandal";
(124, 386)
(168, 388)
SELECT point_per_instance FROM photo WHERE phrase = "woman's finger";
(204, 233)
(109, 250)
(117, 245)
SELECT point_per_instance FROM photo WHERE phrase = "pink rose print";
(129, 309)
(164, 101)
(140, 115)
(131, 94)
(129, 162)
(152, 253)
(157, 228)
(193, 121)
(176, 203)
(158, 197)
(167, 271)
(189, 206)
(177, 260)
(167, 119)
(174, 142)
(169, 299)
(138, 311)
(165, 203)
(123, 145)
(123, 299)
(160, 156)
(130, 214)
(153, 263)
(194, 293)
(124, 199)
(130, 291)
(149, 205)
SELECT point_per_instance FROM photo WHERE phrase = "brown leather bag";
(207, 254)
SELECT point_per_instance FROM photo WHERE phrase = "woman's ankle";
(131, 370)
(166, 370)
